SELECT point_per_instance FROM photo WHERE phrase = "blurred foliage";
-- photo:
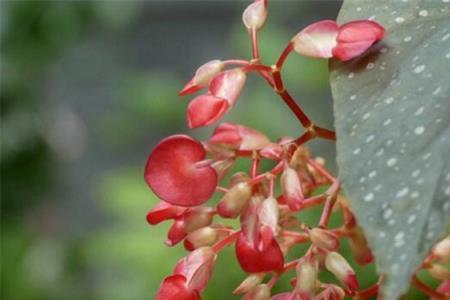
(108, 251)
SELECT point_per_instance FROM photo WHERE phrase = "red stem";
(427, 290)
(284, 55)
(329, 203)
(226, 241)
(255, 48)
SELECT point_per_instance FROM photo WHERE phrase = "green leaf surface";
(392, 117)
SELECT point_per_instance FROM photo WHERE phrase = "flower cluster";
(185, 174)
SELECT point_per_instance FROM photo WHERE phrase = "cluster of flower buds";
(185, 174)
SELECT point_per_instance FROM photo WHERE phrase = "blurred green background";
(87, 89)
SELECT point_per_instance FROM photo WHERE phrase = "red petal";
(163, 211)
(356, 37)
(189, 88)
(317, 40)
(228, 85)
(173, 176)
(253, 260)
(205, 110)
(176, 233)
(174, 288)
(227, 134)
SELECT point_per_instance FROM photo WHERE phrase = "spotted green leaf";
(392, 117)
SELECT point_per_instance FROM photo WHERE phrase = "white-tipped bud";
(206, 72)
(205, 236)
(235, 200)
(197, 218)
(292, 189)
(338, 265)
(324, 239)
(268, 213)
(442, 250)
(307, 274)
(249, 283)
(255, 15)
(439, 272)
(259, 292)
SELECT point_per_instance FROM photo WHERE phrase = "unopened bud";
(255, 15)
(207, 71)
(234, 201)
(306, 278)
(439, 272)
(292, 189)
(442, 250)
(196, 218)
(360, 248)
(268, 213)
(338, 265)
(205, 236)
(259, 292)
(249, 283)
(324, 239)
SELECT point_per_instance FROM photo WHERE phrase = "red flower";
(326, 39)
(190, 276)
(257, 250)
(173, 174)
(238, 137)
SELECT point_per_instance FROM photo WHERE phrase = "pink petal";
(202, 77)
(174, 288)
(239, 137)
(228, 85)
(205, 110)
(163, 211)
(176, 233)
(317, 40)
(172, 174)
(354, 38)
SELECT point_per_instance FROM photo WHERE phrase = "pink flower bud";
(197, 267)
(195, 218)
(360, 248)
(272, 151)
(228, 85)
(443, 288)
(163, 211)
(292, 189)
(307, 274)
(202, 77)
(249, 283)
(325, 39)
(255, 15)
(259, 292)
(317, 40)
(238, 137)
(202, 237)
(235, 200)
(355, 37)
(205, 110)
(338, 265)
(268, 214)
(176, 233)
(442, 250)
(324, 239)
(172, 174)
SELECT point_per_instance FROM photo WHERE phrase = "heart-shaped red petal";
(253, 260)
(172, 173)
